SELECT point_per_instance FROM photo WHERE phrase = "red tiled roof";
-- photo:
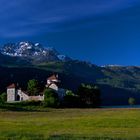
(12, 86)
(53, 77)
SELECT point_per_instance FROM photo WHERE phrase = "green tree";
(50, 98)
(3, 98)
(33, 87)
(89, 95)
(131, 101)
(70, 100)
(69, 92)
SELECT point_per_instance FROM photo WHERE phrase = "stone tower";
(11, 93)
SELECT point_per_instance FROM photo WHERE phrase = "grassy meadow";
(71, 124)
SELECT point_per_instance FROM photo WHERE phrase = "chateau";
(14, 93)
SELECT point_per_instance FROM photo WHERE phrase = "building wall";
(54, 87)
(23, 96)
(11, 95)
(36, 98)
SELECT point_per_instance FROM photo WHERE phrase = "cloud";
(29, 17)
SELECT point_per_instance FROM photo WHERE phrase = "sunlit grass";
(57, 124)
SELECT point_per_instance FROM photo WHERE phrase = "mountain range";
(22, 61)
(31, 52)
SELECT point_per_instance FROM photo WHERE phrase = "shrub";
(50, 98)
(131, 101)
(71, 101)
(3, 98)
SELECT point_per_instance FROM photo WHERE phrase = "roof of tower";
(12, 86)
(53, 77)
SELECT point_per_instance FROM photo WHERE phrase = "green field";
(63, 124)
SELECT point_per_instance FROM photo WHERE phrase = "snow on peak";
(29, 49)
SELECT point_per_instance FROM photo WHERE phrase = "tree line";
(86, 95)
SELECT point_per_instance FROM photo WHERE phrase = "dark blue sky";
(99, 31)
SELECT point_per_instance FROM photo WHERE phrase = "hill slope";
(117, 83)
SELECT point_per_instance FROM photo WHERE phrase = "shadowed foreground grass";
(71, 124)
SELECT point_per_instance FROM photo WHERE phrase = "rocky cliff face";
(34, 51)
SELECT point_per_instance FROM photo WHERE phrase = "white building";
(52, 83)
(16, 94)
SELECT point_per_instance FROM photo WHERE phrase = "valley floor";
(75, 124)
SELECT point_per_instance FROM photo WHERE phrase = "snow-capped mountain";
(32, 50)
